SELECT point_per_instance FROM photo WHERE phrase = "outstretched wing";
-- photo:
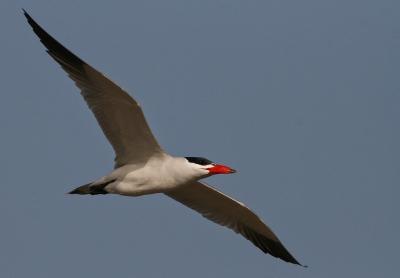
(226, 211)
(118, 114)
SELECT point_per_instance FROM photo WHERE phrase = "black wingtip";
(27, 15)
(56, 50)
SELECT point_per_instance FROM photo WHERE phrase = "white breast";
(155, 176)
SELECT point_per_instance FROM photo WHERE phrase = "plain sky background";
(301, 97)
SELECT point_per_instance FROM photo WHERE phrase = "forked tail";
(92, 189)
(81, 190)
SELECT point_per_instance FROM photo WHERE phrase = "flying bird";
(141, 165)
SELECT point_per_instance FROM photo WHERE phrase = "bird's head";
(210, 167)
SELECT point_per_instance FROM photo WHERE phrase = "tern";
(141, 165)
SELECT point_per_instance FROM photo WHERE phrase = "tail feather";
(82, 190)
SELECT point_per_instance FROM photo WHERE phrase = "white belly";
(154, 177)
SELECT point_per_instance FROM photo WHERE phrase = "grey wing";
(118, 114)
(226, 211)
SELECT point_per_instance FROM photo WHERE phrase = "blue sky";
(302, 98)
